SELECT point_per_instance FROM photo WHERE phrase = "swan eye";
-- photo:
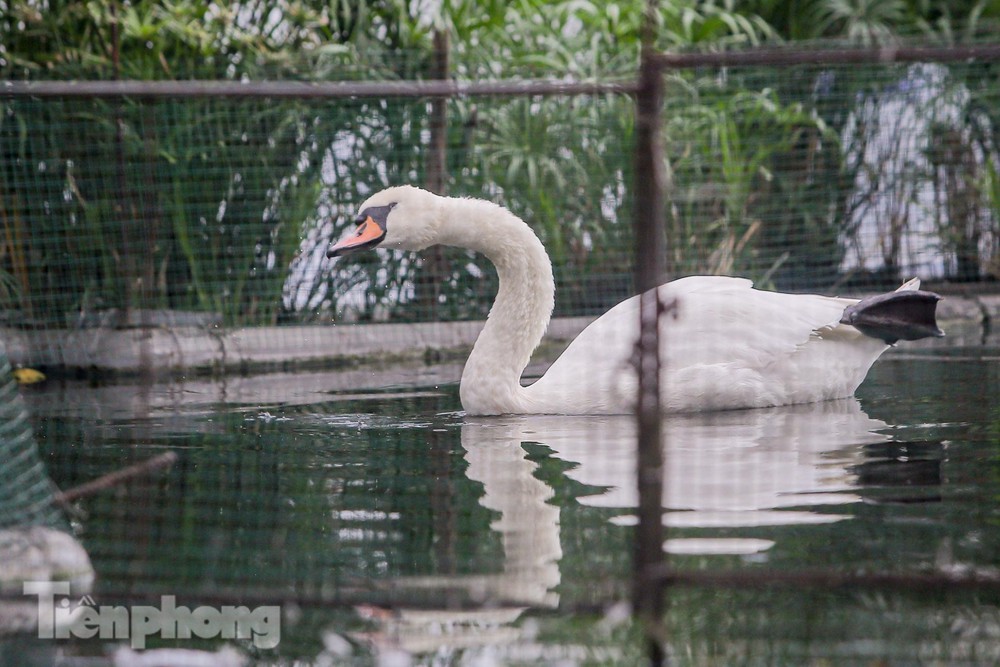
(377, 213)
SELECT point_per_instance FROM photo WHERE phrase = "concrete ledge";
(198, 349)
(193, 349)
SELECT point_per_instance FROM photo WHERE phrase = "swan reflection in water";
(735, 469)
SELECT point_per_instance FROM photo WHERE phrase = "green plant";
(225, 206)
(731, 154)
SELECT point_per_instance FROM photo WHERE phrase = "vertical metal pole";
(136, 273)
(427, 284)
(647, 598)
(437, 155)
(442, 494)
(122, 206)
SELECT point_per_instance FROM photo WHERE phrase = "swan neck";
(520, 312)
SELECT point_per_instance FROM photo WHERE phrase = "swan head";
(403, 218)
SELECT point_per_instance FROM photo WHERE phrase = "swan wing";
(732, 346)
(725, 320)
(723, 345)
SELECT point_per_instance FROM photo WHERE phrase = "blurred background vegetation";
(802, 178)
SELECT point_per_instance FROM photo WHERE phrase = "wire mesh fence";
(27, 495)
(884, 170)
(226, 207)
(396, 521)
(370, 510)
(808, 177)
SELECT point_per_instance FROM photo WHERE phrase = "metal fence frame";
(652, 575)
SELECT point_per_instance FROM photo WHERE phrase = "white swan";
(729, 346)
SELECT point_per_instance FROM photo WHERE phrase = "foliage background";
(801, 178)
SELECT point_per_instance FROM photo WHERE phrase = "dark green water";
(385, 522)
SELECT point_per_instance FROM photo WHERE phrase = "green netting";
(389, 518)
(227, 207)
(27, 495)
(813, 177)
(184, 211)
(822, 176)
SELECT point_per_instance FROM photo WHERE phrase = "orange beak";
(368, 234)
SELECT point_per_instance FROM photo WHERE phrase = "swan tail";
(909, 313)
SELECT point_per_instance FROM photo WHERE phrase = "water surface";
(386, 521)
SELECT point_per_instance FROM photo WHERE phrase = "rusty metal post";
(427, 285)
(428, 289)
(647, 598)
(437, 169)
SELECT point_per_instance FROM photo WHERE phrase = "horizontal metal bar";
(438, 88)
(341, 597)
(394, 594)
(800, 56)
(307, 90)
(827, 579)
